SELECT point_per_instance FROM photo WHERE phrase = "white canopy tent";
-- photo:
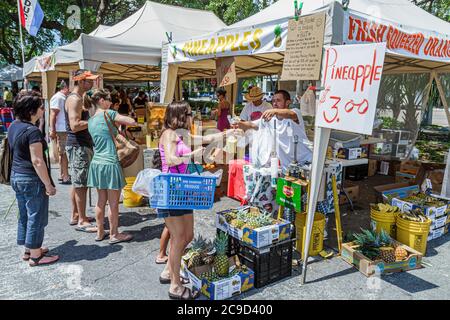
(251, 41)
(11, 73)
(129, 50)
(417, 42)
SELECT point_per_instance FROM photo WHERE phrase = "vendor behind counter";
(289, 123)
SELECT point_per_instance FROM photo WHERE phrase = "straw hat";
(254, 94)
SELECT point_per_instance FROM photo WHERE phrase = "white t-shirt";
(252, 113)
(263, 141)
(57, 102)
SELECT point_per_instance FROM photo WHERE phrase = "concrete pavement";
(92, 270)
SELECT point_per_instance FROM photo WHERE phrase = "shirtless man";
(79, 148)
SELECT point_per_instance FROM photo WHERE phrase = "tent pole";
(321, 137)
(442, 95)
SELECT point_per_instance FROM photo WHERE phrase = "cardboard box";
(221, 289)
(289, 193)
(352, 191)
(438, 223)
(396, 190)
(369, 267)
(257, 238)
(437, 233)
(404, 177)
(373, 167)
(430, 212)
(352, 153)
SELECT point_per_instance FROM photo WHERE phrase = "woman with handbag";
(30, 177)
(105, 171)
(175, 157)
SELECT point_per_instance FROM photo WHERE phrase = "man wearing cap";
(58, 129)
(255, 106)
(79, 148)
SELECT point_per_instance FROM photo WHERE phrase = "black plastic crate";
(357, 173)
(269, 264)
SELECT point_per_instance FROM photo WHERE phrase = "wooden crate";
(369, 267)
(373, 167)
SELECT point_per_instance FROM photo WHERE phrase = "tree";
(54, 30)
(439, 8)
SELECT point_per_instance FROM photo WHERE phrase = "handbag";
(127, 151)
(6, 158)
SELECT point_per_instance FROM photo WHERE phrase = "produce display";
(200, 253)
(432, 151)
(379, 246)
(251, 218)
(416, 215)
(424, 200)
(203, 252)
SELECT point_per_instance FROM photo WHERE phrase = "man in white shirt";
(289, 124)
(255, 106)
(58, 129)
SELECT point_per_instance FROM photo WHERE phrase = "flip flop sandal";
(26, 256)
(164, 261)
(115, 241)
(86, 229)
(105, 234)
(75, 222)
(38, 261)
(182, 296)
(167, 281)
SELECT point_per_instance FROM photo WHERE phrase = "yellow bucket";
(386, 221)
(317, 234)
(131, 199)
(413, 234)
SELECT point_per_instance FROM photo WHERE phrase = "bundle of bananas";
(416, 215)
(381, 208)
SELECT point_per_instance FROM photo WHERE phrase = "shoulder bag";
(127, 151)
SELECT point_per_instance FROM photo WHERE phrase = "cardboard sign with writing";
(351, 76)
(304, 48)
(226, 71)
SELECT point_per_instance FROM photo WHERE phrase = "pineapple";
(196, 253)
(400, 254)
(277, 32)
(387, 254)
(368, 242)
(208, 259)
(252, 223)
(221, 263)
(237, 223)
(265, 220)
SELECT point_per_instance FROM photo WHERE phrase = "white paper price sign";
(351, 76)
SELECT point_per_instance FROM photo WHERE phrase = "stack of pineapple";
(424, 200)
(379, 246)
(251, 218)
(199, 254)
(204, 252)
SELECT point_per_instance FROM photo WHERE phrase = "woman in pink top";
(175, 156)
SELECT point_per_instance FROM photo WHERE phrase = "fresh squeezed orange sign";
(398, 40)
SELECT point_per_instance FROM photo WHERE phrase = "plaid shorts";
(79, 161)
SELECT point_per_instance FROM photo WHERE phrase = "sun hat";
(254, 94)
(84, 75)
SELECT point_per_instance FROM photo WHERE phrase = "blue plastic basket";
(182, 191)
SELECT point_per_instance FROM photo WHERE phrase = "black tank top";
(81, 138)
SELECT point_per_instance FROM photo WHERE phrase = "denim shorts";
(166, 213)
(32, 201)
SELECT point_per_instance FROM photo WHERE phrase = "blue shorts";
(165, 213)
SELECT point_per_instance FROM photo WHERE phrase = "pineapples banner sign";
(255, 40)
